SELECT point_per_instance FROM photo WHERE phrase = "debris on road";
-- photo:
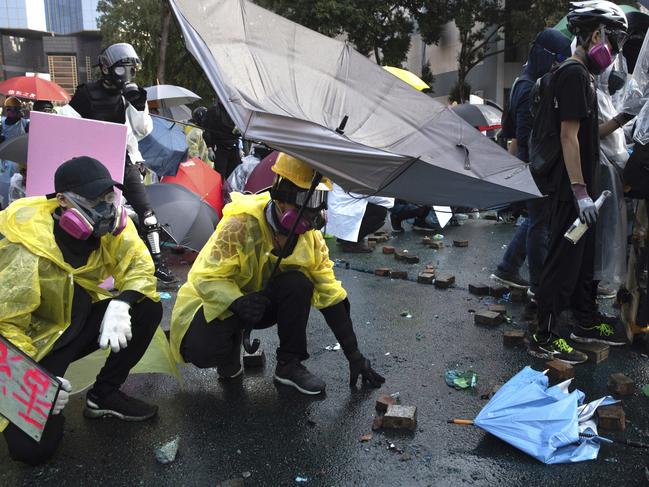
(411, 259)
(254, 360)
(444, 281)
(479, 289)
(460, 243)
(406, 314)
(383, 401)
(301, 480)
(460, 379)
(560, 371)
(246, 474)
(514, 338)
(620, 384)
(398, 274)
(498, 291)
(400, 417)
(488, 318)
(498, 308)
(167, 452)
(438, 236)
(377, 422)
(436, 245)
(426, 277)
(389, 250)
(382, 272)
(611, 418)
(596, 352)
(333, 348)
(366, 438)
(165, 295)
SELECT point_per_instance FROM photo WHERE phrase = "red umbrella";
(200, 179)
(261, 176)
(33, 88)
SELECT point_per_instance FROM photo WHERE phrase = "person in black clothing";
(116, 98)
(567, 293)
(221, 135)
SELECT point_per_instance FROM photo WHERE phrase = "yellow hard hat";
(12, 101)
(298, 172)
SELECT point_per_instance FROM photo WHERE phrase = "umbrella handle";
(250, 348)
(466, 422)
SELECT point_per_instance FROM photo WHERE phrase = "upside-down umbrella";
(262, 176)
(33, 88)
(318, 99)
(187, 219)
(170, 95)
(549, 423)
(164, 148)
(198, 177)
(412, 79)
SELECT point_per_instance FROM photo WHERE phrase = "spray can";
(577, 229)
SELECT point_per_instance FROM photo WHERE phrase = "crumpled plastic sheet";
(460, 379)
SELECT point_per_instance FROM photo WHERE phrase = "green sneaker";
(602, 333)
(555, 348)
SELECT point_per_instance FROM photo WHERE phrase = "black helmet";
(198, 115)
(585, 17)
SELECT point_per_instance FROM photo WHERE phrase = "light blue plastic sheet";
(542, 421)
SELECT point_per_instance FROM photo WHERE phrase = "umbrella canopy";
(261, 176)
(182, 214)
(170, 95)
(164, 148)
(201, 179)
(297, 90)
(544, 422)
(180, 113)
(562, 25)
(410, 78)
(33, 88)
(482, 117)
(15, 149)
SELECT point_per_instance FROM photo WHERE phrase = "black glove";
(135, 95)
(361, 366)
(250, 308)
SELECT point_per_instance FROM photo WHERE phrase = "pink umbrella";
(261, 176)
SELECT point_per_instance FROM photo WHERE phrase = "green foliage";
(139, 23)
(427, 76)
(460, 92)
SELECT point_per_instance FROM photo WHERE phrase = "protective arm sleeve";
(340, 322)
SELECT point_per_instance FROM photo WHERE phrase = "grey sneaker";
(296, 375)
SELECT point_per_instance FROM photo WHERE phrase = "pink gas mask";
(600, 56)
(95, 218)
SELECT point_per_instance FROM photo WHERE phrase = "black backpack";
(545, 137)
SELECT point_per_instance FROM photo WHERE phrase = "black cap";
(84, 176)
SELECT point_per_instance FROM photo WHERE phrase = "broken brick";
(479, 289)
(377, 422)
(430, 268)
(389, 250)
(620, 384)
(517, 295)
(254, 360)
(411, 259)
(444, 281)
(596, 352)
(426, 240)
(560, 371)
(498, 308)
(611, 418)
(383, 401)
(498, 291)
(460, 243)
(400, 417)
(514, 338)
(425, 278)
(489, 318)
(399, 274)
(382, 271)
(436, 245)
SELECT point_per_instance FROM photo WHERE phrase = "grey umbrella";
(318, 99)
(171, 95)
(189, 221)
(15, 149)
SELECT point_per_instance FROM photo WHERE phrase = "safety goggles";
(556, 56)
(109, 198)
(122, 69)
(616, 38)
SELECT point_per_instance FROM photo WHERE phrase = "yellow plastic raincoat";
(37, 285)
(196, 146)
(237, 260)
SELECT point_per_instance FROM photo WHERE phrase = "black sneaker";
(423, 226)
(119, 405)
(510, 280)
(602, 333)
(396, 224)
(296, 375)
(163, 273)
(555, 348)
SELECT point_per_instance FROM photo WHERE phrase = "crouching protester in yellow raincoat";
(55, 253)
(230, 287)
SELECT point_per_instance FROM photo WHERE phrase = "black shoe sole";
(289, 382)
(595, 340)
(93, 413)
(550, 356)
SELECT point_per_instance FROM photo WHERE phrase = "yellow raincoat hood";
(237, 260)
(37, 285)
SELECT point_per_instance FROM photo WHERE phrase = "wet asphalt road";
(271, 435)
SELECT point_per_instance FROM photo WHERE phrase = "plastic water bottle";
(577, 229)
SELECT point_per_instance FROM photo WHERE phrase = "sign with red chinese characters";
(27, 392)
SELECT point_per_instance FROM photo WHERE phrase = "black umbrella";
(482, 117)
(15, 149)
(187, 219)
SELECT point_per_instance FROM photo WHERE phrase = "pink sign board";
(53, 139)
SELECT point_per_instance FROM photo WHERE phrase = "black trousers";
(373, 220)
(567, 276)
(135, 193)
(225, 160)
(213, 344)
(145, 317)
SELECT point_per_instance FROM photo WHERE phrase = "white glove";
(116, 326)
(63, 397)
